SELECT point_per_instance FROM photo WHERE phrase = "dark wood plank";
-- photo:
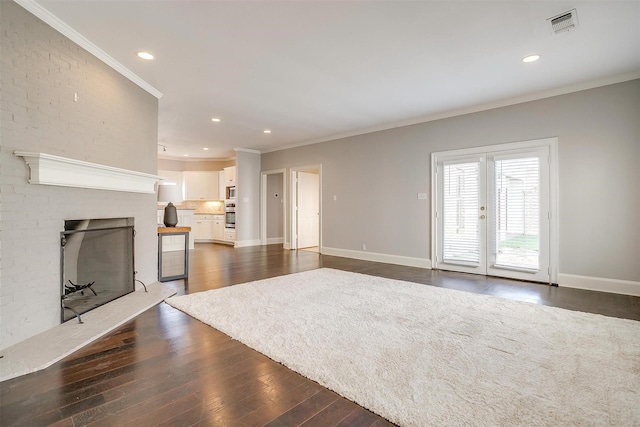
(359, 418)
(166, 368)
(278, 405)
(332, 414)
(305, 410)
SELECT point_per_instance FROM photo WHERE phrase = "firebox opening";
(97, 263)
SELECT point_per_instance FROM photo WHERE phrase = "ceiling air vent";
(564, 22)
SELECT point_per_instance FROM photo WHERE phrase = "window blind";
(516, 242)
(461, 237)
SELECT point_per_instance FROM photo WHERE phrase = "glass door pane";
(518, 229)
(517, 220)
(461, 202)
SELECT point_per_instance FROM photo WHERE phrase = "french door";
(493, 211)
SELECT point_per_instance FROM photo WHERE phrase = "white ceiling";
(317, 70)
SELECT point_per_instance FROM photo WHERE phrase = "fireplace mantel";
(55, 170)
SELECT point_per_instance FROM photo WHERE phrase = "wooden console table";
(173, 231)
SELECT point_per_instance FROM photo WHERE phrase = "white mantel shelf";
(47, 169)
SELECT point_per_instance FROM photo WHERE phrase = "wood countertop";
(173, 230)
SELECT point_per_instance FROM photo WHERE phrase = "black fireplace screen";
(97, 263)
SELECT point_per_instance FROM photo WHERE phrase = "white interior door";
(493, 213)
(308, 198)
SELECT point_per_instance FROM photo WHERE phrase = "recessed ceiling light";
(145, 55)
(267, 131)
(206, 148)
(215, 119)
(185, 155)
(531, 58)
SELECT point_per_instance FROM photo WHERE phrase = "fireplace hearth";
(97, 264)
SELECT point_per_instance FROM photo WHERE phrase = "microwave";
(230, 192)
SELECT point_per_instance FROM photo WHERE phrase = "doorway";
(306, 208)
(494, 210)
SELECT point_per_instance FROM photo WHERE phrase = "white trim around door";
(263, 205)
(293, 229)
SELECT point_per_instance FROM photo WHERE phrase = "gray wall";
(248, 198)
(376, 177)
(275, 207)
(114, 122)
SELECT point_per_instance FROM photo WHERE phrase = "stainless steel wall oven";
(230, 215)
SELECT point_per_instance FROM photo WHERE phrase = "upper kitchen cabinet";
(222, 184)
(201, 185)
(230, 175)
(173, 177)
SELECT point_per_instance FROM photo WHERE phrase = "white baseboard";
(377, 257)
(602, 284)
(244, 243)
(275, 240)
(286, 245)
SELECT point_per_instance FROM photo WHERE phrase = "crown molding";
(247, 150)
(472, 109)
(58, 25)
(196, 159)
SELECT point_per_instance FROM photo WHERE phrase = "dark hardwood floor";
(165, 368)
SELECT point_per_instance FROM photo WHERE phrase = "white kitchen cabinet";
(229, 235)
(203, 226)
(230, 175)
(208, 228)
(173, 177)
(218, 227)
(201, 185)
(222, 185)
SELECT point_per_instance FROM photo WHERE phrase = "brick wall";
(113, 122)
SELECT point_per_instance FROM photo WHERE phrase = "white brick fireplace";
(58, 99)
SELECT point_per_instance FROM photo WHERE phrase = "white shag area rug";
(420, 355)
